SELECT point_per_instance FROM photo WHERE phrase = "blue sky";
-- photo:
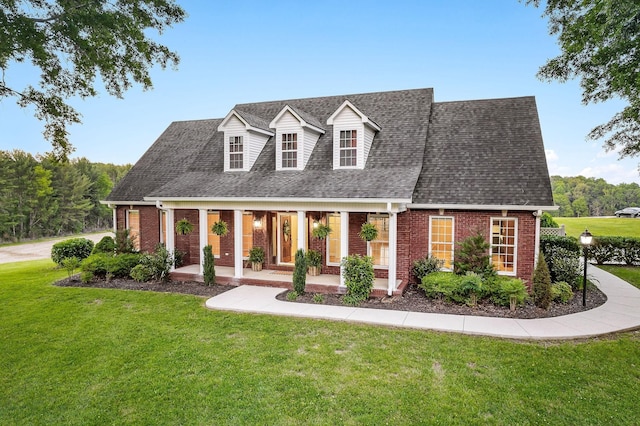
(249, 51)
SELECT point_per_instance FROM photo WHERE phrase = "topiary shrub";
(300, 272)
(106, 245)
(208, 265)
(542, 284)
(425, 266)
(358, 277)
(80, 248)
(561, 292)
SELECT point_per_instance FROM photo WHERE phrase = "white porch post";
(237, 243)
(393, 244)
(344, 242)
(301, 229)
(171, 241)
(203, 236)
(114, 209)
(536, 248)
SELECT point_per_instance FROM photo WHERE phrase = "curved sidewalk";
(621, 312)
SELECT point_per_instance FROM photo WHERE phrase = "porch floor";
(323, 283)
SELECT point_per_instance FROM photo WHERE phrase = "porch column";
(344, 242)
(237, 243)
(203, 236)
(301, 229)
(393, 245)
(114, 209)
(536, 249)
(171, 239)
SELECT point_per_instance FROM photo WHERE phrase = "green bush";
(102, 265)
(314, 258)
(471, 287)
(209, 266)
(548, 242)
(141, 273)
(504, 288)
(80, 248)
(564, 265)
(630, 253)
(70, 264)
(292, 296)
(178, 258)
(358, 277)
(547, 221)
(443, 285)
(542, 284)
(106, 245)
(425, 266)
(300, 272)
(318, 298)
(472, 255)
(561, 292)
(159, 263)
(606, 249)
(125, 243)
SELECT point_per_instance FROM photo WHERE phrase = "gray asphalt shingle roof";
(472, 152)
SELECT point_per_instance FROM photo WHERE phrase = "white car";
(628, 212)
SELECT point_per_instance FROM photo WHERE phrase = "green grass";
(630, 274)
(600, 226)
(93, 356)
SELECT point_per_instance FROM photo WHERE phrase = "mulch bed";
(412, 300)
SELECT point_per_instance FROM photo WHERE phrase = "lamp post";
(585, 240)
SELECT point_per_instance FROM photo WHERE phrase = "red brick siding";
(189, 244)
(226, 242)
(149, 225)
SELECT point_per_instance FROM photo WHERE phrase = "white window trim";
(229, 153)
(358, 149)
(382, 267)
(515, 244)
(296, 151)
(453, 237)
(329, 236)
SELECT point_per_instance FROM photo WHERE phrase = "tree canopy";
(600, 43)
(74, 42)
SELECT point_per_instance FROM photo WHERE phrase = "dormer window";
(353, 134)
(348, 148)
(289, 150)
(236, 152)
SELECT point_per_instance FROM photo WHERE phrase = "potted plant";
(314, 262)
(368, 231)
(256, 257)
(220, 228)
(320, 231)
(184, 227)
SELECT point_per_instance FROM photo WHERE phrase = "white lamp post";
(585, 240)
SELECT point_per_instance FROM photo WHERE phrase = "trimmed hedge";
(608, 249)
(80, 248)
(101, 264)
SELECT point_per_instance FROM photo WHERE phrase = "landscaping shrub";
(473, 256)
(564, 265)
(471, 287)
(548, 242)
(443, 285)
(503, 289)
(425, 266)
(542, 284)
(292, 296)
(358, 277)
(158, 263)
(80, 248)
(630, 253)
(547, 221)
(124, 242)
(300, 272)
(561, 292)
(70, 264)
(103, 265)
(606, 249)
(106, 245)
(141, 273)
(209, 266)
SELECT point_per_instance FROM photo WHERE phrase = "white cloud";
(551, 155)
(613, 173)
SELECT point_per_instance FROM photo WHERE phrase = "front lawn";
(630, 274)
(601, 226)
(95, 356)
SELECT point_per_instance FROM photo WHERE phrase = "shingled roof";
(473, 152)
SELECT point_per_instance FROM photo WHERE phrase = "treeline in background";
(42, 197)
(579, 196)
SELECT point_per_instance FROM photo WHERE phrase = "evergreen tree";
(542, 284)
(209, 266)
(300, 272)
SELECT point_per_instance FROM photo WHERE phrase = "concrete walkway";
(620, 312)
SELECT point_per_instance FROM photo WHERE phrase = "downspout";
(536, 249)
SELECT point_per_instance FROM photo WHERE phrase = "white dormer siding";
(346, 121)
(295, 139)
(243, 142)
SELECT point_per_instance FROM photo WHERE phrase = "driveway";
(39, 250)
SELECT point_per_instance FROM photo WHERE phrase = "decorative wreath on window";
(286, 230)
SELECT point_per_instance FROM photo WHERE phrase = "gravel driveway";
(39, 250)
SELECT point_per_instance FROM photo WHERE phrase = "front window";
(213, 239)
(289, 150)
(333, 246)
(379, 248)
(133, 223)
(247, 233)
(441, 240)
(236, 150)
(503, 245)
(348, 148)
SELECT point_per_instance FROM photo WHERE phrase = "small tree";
(472, 256)
(209, 266)
(300, 272)
(71, 264)
(542, 284)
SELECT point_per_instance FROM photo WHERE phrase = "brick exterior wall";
(413, 236)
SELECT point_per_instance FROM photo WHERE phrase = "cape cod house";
(426, 174)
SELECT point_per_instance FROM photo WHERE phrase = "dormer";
(244, 137)
(353, 134)
(296, 135)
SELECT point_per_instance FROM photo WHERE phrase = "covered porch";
(323, 283)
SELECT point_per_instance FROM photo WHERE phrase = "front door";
(287, 237)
